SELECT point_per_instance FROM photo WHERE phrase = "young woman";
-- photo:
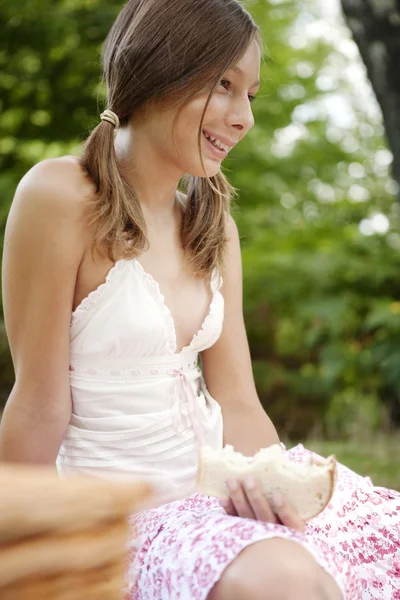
(135, 239)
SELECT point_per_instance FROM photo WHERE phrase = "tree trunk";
(375, 25)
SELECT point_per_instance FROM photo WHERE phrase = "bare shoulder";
(232, 231)
(44, 244)
(233, 259)
(50, 198)
(62, 170)
(57, 183)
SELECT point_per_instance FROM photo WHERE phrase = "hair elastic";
(110, 117)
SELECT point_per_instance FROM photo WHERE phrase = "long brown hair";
(156, 50)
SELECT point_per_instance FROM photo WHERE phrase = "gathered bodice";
(139, 405)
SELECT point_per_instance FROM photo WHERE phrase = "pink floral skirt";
(181, 548)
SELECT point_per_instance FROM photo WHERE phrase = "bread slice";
(307, 486)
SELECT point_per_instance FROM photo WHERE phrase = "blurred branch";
(375, 25)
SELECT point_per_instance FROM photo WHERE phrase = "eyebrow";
(240, 71)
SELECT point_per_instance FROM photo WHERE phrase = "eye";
(226, 84)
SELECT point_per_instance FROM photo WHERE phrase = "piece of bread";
(307, 486)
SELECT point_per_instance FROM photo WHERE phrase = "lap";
(186, 546)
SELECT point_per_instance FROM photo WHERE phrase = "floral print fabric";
(179, 550)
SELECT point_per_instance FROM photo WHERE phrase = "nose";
(241, 116)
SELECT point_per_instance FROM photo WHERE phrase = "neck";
(154, 180)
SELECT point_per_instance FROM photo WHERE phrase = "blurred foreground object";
(64, 538)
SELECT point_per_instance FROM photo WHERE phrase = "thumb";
(286, 513)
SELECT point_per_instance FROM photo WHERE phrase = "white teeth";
(217, 142)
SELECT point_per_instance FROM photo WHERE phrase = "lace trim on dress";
(154, 289)
(155, 292)
(93, 297)
(216, 282)
(92, 371)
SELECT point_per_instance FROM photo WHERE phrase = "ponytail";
(114, 212)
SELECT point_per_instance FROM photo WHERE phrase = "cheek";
(217, 108)
(185, 134)
(190, 117)
(188, 123)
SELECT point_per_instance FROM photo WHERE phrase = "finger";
(227, 505)
(239, 499)
(286, 513)
(258, 501)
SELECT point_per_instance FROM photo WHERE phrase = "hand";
(247, 500)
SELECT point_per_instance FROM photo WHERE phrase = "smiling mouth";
(220, 149)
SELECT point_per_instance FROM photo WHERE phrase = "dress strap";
(216, 281)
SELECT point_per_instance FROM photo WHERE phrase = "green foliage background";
(322, 300)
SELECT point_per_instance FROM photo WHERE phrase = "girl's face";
(227, 120)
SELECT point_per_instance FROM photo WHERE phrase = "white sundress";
(140, 407)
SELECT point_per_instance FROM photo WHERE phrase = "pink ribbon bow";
(186, 409)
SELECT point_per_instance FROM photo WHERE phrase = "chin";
(211, 169)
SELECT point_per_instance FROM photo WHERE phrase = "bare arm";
(43, 248)
(229, 377)
(227, 366)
